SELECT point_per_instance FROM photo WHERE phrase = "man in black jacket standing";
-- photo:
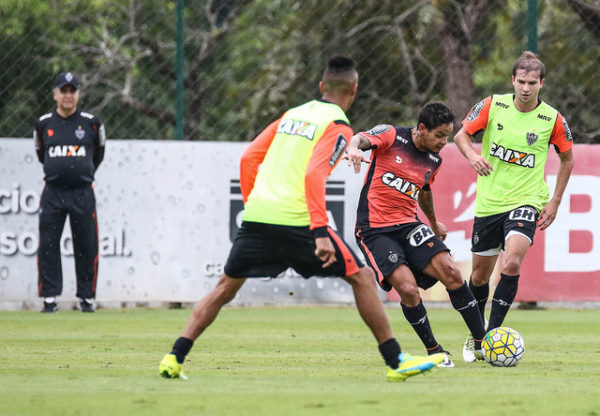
(70, 145)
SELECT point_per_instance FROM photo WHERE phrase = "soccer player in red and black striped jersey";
(404, 252)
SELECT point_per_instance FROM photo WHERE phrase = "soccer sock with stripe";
(417, 317)
(390, 350)
(181, 348)
(481, 294)
(464, 302)
(503, 298)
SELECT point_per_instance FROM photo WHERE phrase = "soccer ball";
(503, 347)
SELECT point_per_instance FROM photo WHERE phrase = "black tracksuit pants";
(79, 203)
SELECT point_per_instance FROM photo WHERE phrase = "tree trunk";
(457, 21)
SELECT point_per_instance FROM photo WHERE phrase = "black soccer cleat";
(87, 306)
(50, 307)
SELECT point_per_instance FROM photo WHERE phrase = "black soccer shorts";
(490, 233)
(388, 248)
(267, 250)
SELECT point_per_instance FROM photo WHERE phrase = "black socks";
(390, 350)
(505, 293)
(481, 294)
(417, 317)
(464, 302)
(181, 348)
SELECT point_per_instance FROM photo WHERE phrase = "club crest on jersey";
(523, 213)
(401, 185)
(419, 235)
(476, 110)
(66, 151)
(79, 133)
(393, 257)
(531, 138)
(512, 156)
(297, 128)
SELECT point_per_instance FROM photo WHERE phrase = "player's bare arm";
(325, 251)
(426, 204)
(354, 154)
(478, 162)
(548, 213)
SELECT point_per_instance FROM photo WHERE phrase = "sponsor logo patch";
(543, 117)
(401, 185)
(419, 235)
(476, 110)
(66, 151)
(402, 139)
(297, 128)
(568, 134)
(340, 146)
(378, 129)
(522, 214)
(512, 156)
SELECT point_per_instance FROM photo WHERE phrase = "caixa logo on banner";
(335, 191)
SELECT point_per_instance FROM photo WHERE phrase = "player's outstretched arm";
(354, 154)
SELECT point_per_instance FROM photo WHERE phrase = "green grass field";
(286, 361)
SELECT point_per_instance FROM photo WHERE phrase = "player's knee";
(409, 292)
(449, 274)
(479, 277)
(364, 277)
(454, 279)
(511, 265)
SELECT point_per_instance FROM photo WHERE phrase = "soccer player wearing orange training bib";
(285, 220)
(512, 195)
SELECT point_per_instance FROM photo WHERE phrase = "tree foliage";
(248, 60)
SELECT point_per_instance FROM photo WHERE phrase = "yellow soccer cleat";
(170, 368)
(411, 365)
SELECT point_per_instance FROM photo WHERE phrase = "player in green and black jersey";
(512, 195)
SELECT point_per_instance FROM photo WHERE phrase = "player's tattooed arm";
(354, 154)
(426, 204)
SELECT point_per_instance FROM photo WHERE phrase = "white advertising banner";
(167, 212)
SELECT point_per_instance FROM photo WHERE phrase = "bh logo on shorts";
(523, 214)
(334, 198)
(419, 235)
